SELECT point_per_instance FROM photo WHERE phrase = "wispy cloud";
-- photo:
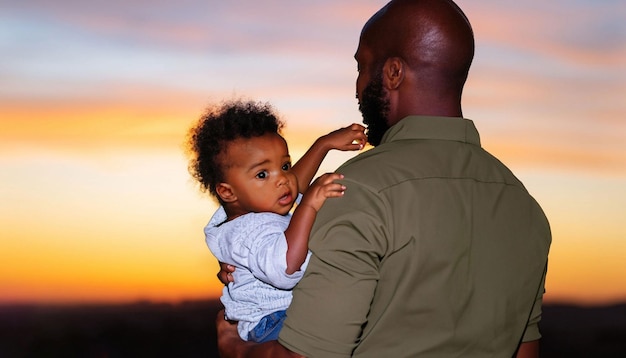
(550, 77)
(547, 79)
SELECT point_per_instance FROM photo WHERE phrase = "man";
(436, 249)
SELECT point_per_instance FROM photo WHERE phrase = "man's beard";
(374, 107)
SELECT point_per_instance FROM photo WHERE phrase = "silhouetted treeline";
(187, 330)
(583, 332)
(134, 330)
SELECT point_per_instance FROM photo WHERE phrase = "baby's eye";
(262, 174)
(286, 166)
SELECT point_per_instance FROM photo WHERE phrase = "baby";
(240, 157)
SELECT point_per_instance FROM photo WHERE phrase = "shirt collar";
(429, 127)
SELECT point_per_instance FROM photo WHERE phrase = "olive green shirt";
(435, 250)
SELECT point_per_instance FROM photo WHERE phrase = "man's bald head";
(423, 33)
(432, 44)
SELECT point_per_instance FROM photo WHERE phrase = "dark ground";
(187, 330)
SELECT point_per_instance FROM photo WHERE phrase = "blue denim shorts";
(268, 327)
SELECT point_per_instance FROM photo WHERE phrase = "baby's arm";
(348, 138)
(299, 229)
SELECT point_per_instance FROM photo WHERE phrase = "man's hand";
(225, 275)
(226, 335)
(230, 345)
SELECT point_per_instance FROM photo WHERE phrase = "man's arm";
(528, 350)
(230, 345)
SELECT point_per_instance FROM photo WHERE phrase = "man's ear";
(393, 72)
(225, 192)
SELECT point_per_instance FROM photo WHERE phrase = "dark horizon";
(187, 329)
(138, 302)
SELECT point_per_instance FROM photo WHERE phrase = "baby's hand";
(322, 188)
(349, 138)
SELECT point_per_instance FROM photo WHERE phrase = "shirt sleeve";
(331, 302)
(532, 329)
(264, 251)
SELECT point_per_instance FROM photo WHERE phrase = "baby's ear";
(225, 192)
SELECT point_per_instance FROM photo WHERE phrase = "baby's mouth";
(285, 199)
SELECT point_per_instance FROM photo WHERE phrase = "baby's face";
(258, 175)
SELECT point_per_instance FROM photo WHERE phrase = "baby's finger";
(333, 193)
(357, 127)
(329, 178)
(334, 189)
(356, 144)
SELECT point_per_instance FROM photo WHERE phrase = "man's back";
(436, 249)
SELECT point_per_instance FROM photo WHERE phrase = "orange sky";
(96, 204)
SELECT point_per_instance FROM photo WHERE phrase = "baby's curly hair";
(220, 125)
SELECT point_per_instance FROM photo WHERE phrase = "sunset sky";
(96, 204)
